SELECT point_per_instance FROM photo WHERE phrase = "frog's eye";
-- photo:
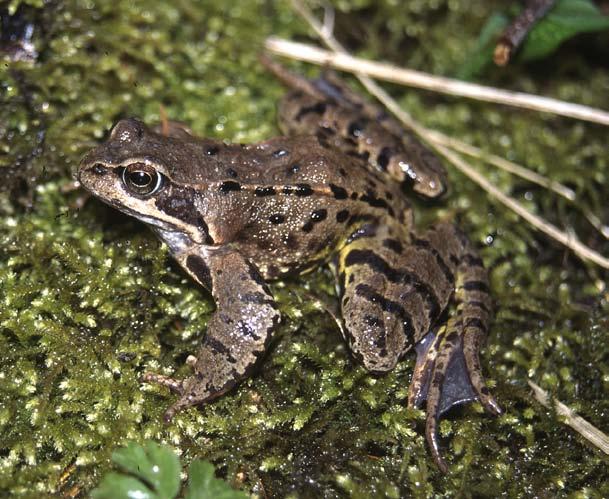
(142, 179)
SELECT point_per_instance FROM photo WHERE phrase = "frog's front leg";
(237, 333)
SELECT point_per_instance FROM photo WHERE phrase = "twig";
(502, 163)
(563, 237)
(579, 424)
(519, 28)
(520, 171)
(418, 79)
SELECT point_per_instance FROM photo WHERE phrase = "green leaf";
(567, 19)
(482, 54)
(203, 484)
(154, 470)
(118, 486)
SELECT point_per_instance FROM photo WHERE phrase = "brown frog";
(235, 216)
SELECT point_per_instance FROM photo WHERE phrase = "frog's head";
(135, 171)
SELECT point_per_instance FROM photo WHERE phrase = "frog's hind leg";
(448, 370)
(377, 328)
(329, 109)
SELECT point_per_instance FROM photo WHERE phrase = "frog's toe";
(184, 402)
(426, 351)
(190, 390)
(471, 345)
(436, 354)
(431, 434)
(448, 385)
(176, 386)
(448, 373)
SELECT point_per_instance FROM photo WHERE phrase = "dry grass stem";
(418, 79)
(579, 424)
(503, 164)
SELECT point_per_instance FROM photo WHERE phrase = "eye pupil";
(140, 179)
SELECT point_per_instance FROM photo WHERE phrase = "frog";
(331, 190)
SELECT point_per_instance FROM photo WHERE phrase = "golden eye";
(142, 179)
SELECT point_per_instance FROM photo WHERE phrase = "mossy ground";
(89, 299)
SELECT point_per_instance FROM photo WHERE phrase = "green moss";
(90, 301)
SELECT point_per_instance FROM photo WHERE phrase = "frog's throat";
(178, 241)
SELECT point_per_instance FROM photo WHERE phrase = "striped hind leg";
(328, 108)
(377, 328)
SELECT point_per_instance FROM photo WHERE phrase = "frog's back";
(305, 200)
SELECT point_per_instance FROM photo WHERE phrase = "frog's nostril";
(99, 169)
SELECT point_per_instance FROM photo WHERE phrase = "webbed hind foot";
(447, 374)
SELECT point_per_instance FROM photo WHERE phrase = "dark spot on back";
(317, 108)
(342, 216)
(229, 185)
(199, 268)
(232, 173)
(357, 127)
(339, 192)
(303, 190)
(277, 218)
(384, 157)
(265, 191)
(212, 150)
(319, 215)
(291, 241)
(308, 227)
